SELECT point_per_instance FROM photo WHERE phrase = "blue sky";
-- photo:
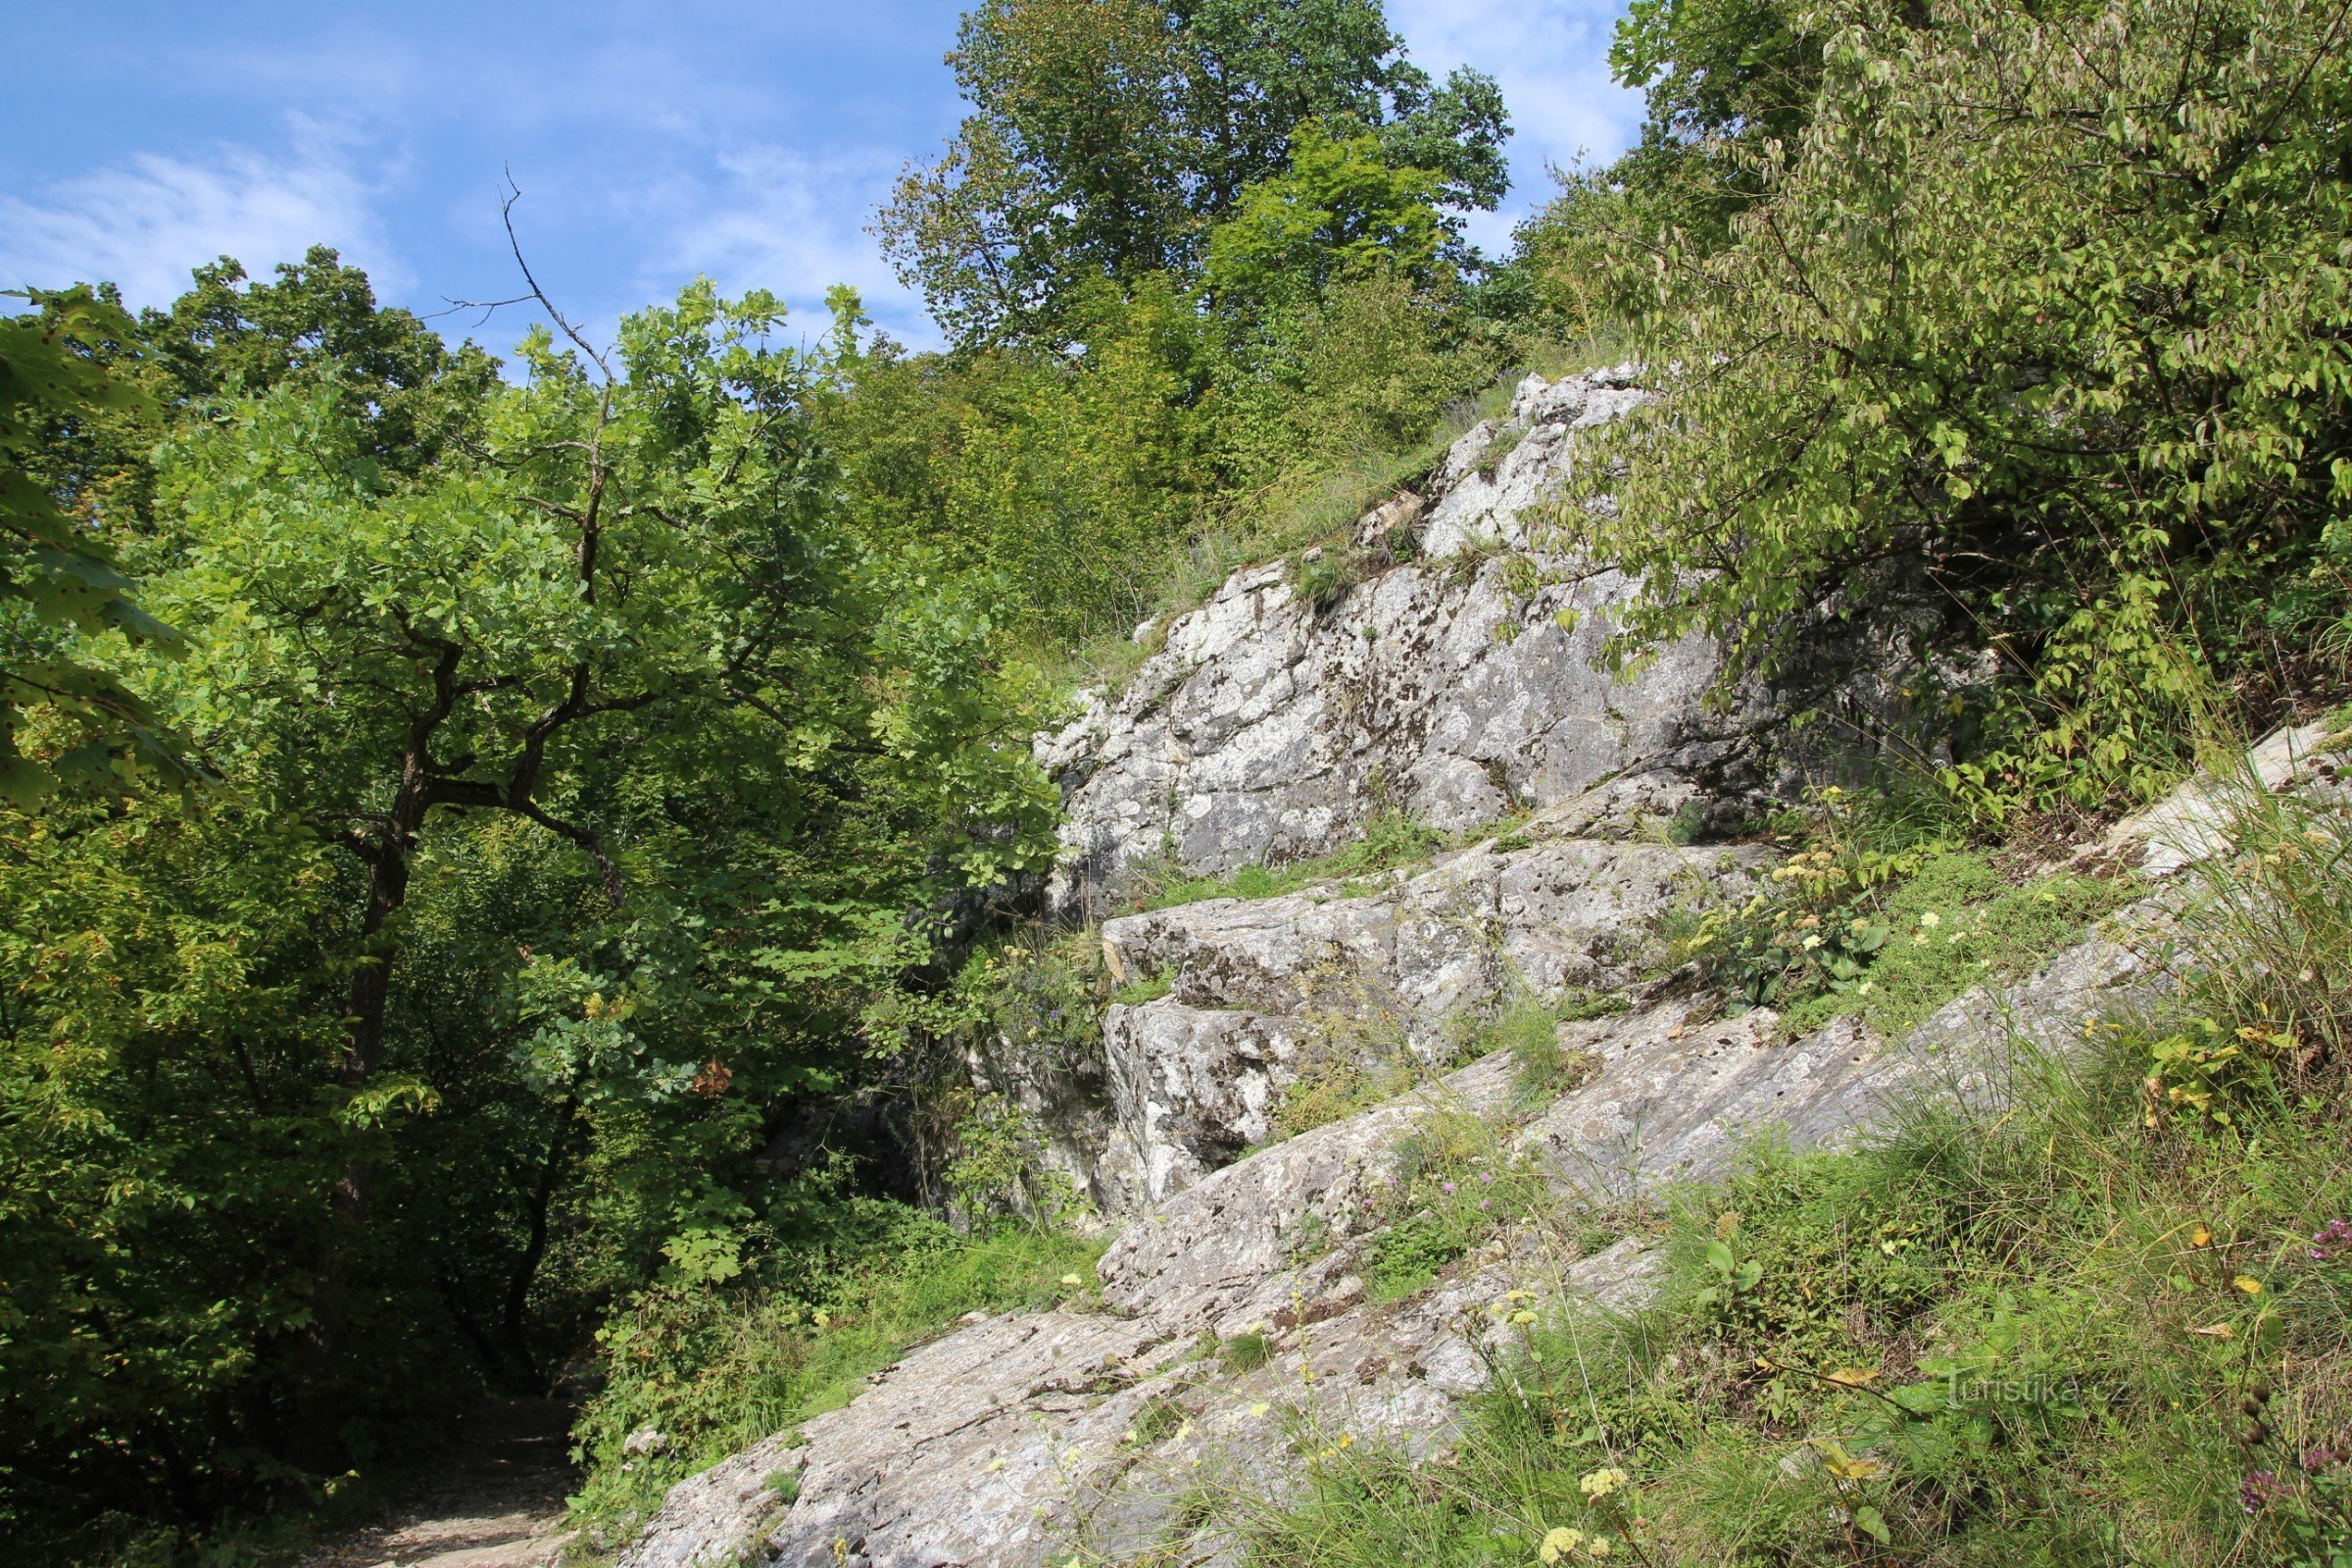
(652, 142)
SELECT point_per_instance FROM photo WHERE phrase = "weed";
(1158, 1420)
(1149, 988)
(1881, 913)
(1455, 1184)
(1504, 442)
(1244, 1352)
(1323, 576)
(1529, 1028)
(1391, 839)
(1332, 1085)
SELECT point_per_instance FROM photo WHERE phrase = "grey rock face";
(1267, 729)
(716, 1519)
(1017, 1441)
(1388, 980)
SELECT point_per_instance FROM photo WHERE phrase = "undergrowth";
(2072, 1318)
(716, 1370)
(1391, 839)
(1884, 910)
(1455, 1182)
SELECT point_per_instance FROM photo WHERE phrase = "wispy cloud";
(1551, 60)
(144, 223)
(769, 216)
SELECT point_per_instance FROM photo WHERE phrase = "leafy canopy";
(2046, 318)
(58, 568)
(1108, 136)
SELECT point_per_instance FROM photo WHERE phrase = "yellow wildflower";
(1600, 1482)
(1559, 1542)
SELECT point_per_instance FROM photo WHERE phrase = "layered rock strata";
(1459, 686)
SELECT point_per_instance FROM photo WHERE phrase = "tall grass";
(2076, 1327)
(716, 1370)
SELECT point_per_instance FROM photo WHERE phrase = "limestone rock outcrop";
(1269, 728)
(1019, 1441)
(1259, 989)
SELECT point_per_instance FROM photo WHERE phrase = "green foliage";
(2280, 903)
(1886, 917)
(1953, 924)
(569, 794)
(1108, 136)
(1244, 1352)
(1723, 79)
(718, 1368)
(1332, 1084)
(2073, 367)
(319, 327)
(1041, 993)
(1146, 988)
(1336, 208)
(1529, 1028)
(1061, 486)
(1322, 577)
(2030, 1338)
(1455, 1183)
(57, 569)
(168, 1012)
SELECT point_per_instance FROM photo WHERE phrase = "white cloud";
(1551, 61)
(772, 217)
(143, 223)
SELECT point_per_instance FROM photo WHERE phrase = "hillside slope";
(1273, 1297)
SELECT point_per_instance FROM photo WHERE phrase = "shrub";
(2116, 459)
(716, 1369)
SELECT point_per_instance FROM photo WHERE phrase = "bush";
(716, 1369)
(1883, 914)
(2116, 460)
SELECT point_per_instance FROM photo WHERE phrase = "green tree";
(630, 567)
(58, 568)
(1107, 136)
(1336, 208)
(318, 324)
(1713, 72)
(2077, 370)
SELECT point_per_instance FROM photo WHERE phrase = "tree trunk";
(317, 1426)
(534, 1252)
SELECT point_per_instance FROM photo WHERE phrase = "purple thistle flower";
(2330, 1240)
(1450, 1187)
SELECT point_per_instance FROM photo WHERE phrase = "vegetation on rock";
(515, 867)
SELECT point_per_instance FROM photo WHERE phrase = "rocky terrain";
(1269, 728)
(1456, 685)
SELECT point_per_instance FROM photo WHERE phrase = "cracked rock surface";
(1018, 1440)
(1268, 729)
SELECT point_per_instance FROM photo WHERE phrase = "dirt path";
(497, 1502)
